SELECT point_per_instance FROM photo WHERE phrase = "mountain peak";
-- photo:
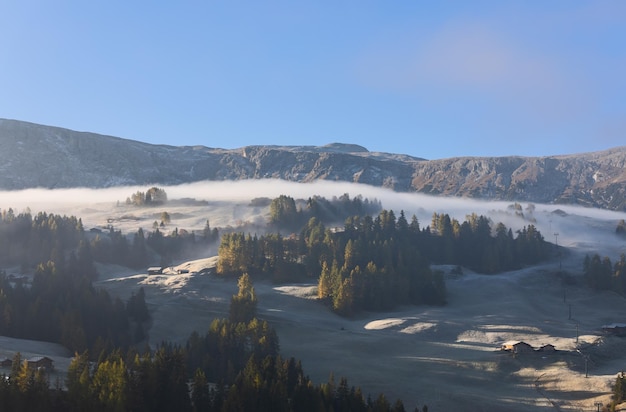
(345, 148)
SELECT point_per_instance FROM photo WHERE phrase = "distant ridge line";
(35, 155)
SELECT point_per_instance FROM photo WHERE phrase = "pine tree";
(324, 285)
(243, 304)
(109, 384)
(78, 383)
(24, 378)
(344, 299)
(200, 395)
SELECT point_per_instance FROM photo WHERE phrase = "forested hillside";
(236, 365)
(362, 257)
(59, 302)
(378, 263)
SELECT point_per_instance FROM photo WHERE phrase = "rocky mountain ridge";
(52, 157)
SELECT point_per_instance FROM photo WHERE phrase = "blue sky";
(429, 79)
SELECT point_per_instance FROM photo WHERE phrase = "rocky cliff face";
(42, 156)
(590, 179)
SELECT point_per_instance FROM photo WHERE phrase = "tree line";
(285, 213)
(235, 366)
(601, 274)
(28, 240)
(477, 244)
(376, 263)
(59, 303)
(154, 196)
(62, 306)
(113, 246)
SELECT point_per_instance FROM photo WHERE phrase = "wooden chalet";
(155, 270)
(5, 362)
(37, 362)
(549, 348)
(517, 346)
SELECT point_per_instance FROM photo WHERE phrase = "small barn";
(5, 362)
(155, 270)
(549, 348)
(516, 347)
(37, 362)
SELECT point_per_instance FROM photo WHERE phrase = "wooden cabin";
(549, 348)
(37, 362)
(516, 347)
(5, 362)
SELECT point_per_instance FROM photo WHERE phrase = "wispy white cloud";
(584, 229)
(536, 72)
(469, 58)
(476, 58)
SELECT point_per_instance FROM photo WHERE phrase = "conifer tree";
(200, 395)
(109, 384)
(78, 383)
(243, 304)
(324, 285)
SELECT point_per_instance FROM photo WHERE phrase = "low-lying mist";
(228, 204)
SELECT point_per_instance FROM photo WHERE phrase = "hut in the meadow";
(548, 348)
(155, 270)
(37, 362)
(516, 346)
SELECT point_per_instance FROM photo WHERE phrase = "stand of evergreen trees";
(478, 245)
(370, 263)
(378, 263)
(284, 213)
(236, 366)
(62, 306)
(601, 274)
(152, 197)
(114, 247)
(59, 303)
(28, 240)
(619, 391)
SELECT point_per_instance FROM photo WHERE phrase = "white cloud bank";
(584, 227)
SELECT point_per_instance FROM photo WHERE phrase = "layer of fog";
(227, 203)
